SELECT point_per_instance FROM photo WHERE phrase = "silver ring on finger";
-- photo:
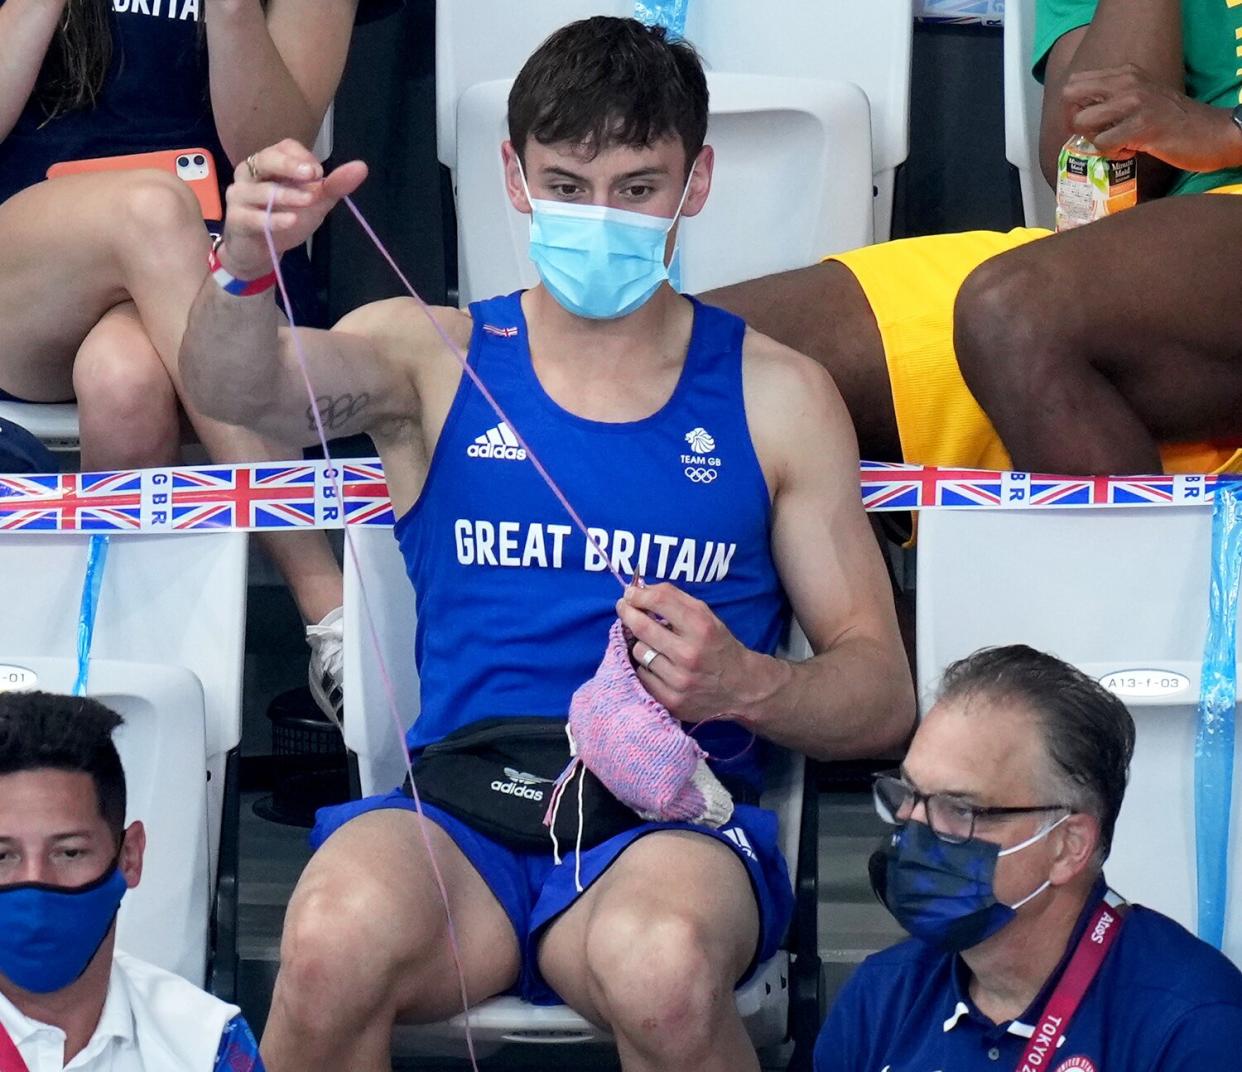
(252, 168)
(650, 656)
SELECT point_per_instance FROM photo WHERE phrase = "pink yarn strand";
(390, 692)
(455, 350)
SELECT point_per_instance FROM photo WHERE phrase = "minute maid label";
(1091, 185)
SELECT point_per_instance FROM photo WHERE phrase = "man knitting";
(714, 463)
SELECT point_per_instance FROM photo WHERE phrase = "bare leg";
(127, 408)
(1088, 348)
(822, 312)
(78, 246)
(75, 248)
(653, 951)
(366, 944)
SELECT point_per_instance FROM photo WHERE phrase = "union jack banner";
(322, 495)
(72, 502)
(258, 497)
(365, 494)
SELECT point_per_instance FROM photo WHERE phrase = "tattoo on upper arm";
(336, 412)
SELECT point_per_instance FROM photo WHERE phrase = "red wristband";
(226, 281)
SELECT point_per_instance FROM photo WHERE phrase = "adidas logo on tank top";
(499, 444)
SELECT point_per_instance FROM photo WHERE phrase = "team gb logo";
(700, 441)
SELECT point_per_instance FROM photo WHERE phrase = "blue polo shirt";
(1163, 1001)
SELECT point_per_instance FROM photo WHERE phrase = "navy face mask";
(50, 934)
(942, 892)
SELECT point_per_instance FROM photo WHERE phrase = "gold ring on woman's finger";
(252, 168)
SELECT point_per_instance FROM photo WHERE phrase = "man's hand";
(701, 669)
(303, 197)
(1125, 108)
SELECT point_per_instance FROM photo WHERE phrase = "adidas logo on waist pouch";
(520, 784)
(498, 444)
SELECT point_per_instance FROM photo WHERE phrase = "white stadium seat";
(163, 751)
(1024, 99)
(868, 44)
(372, 738)
(1122, 594)
(803, 142)
(56, 423)
(167, 654)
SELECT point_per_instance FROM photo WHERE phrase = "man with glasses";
(1022, 957)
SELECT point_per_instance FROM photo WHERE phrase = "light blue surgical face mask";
(599, 262)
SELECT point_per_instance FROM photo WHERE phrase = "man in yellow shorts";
(1110, 348)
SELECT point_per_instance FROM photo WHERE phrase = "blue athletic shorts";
(534, 890)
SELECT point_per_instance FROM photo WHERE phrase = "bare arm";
(854, 697)
(26, 29)
(239, 367)
(274, 74)
(1145, 33)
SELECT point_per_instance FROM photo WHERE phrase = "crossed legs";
(96, 282)
(652, 950)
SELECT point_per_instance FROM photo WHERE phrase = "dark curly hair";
(45, 731)
(607, 81)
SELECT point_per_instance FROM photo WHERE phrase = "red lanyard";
(10, 1059)
(1093, 947)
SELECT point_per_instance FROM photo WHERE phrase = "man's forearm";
(1147, 33)
(230, 359)
(855, 700)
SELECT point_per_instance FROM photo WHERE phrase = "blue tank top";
(514, 605)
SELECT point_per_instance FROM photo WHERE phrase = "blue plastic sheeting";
(671, 14)
(96, 561)
(1218, 691)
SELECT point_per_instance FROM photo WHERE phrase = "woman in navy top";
(97, 271)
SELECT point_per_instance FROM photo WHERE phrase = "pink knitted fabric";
(638, 750)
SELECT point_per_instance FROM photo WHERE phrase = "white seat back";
(373, 738)
(163, 751)
(55, 423)
(1122, 594)
(803, 142)
(868, 44)
(1024, 101)
(165, 601)
(369, 731)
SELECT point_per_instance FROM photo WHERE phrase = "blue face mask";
(598, 262)
(942, 892)
(50, 934)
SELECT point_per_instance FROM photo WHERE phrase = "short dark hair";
(46, 731)
(1087, 731)
(607, 81)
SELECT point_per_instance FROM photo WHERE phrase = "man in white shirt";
(68, 1000)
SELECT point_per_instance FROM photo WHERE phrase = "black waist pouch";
(498, 775)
